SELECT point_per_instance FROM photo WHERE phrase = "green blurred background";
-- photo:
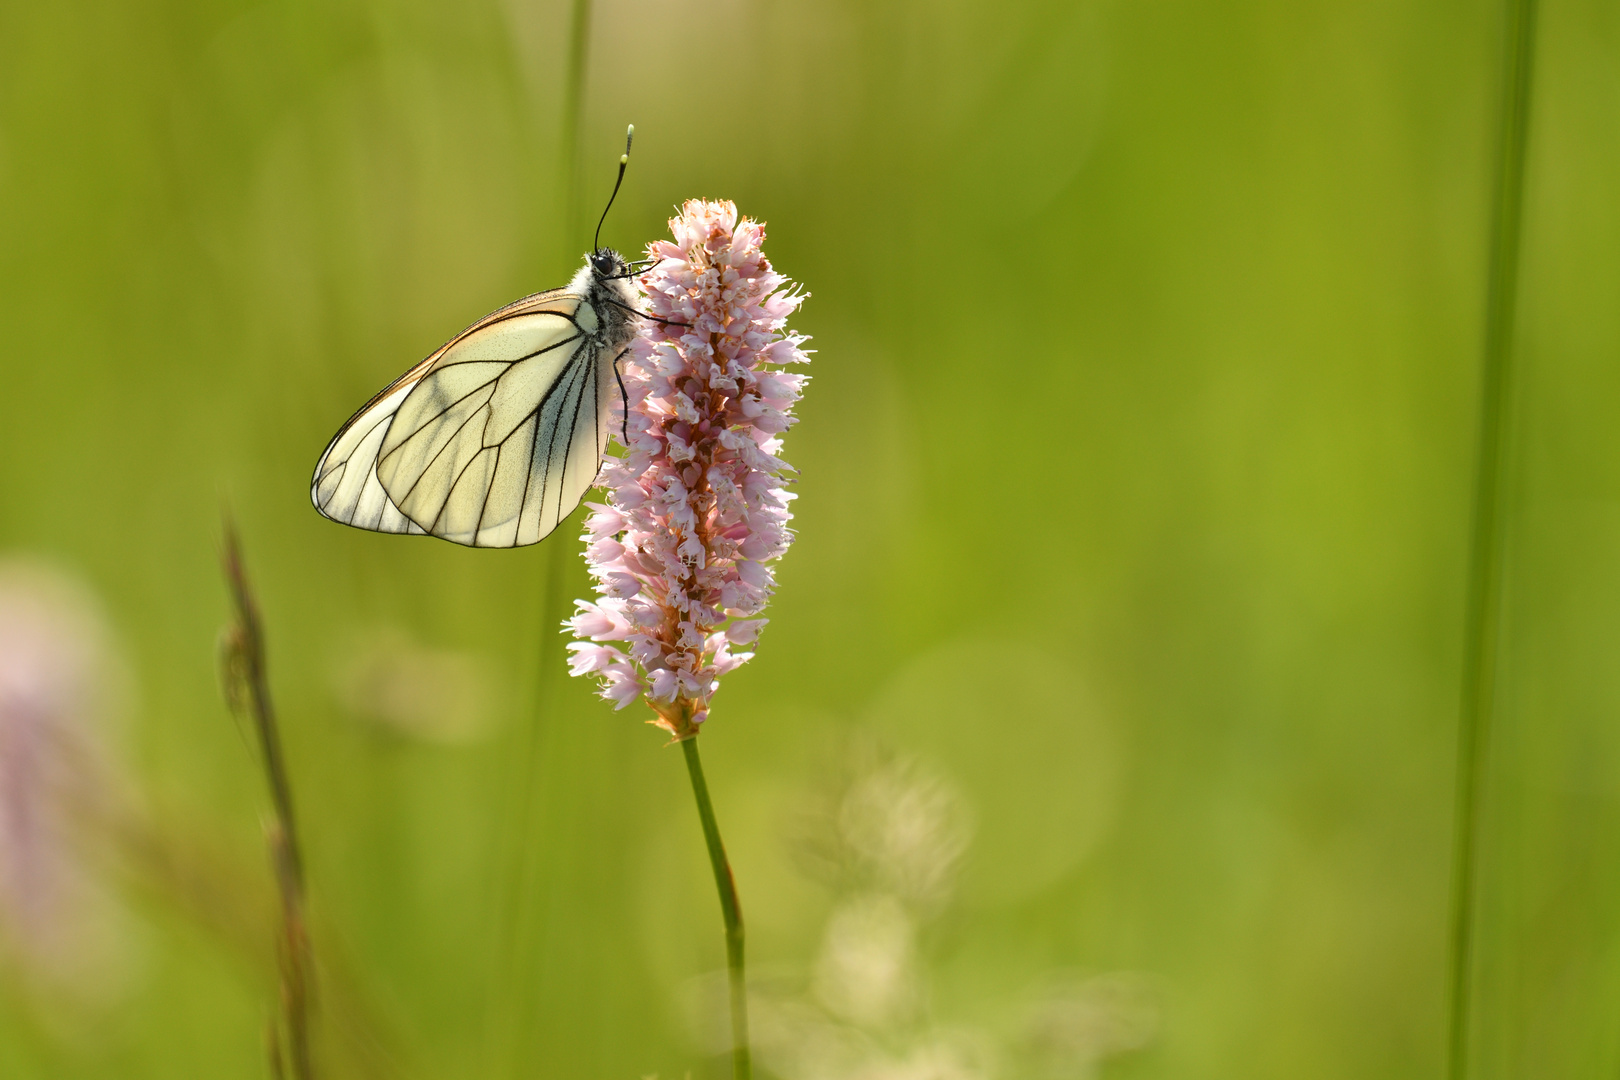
(1134, 504)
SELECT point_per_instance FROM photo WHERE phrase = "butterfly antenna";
(624, 159)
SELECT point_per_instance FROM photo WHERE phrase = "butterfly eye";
(602, 261)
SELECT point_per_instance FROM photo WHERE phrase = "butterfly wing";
(345, 487)
(489, 442)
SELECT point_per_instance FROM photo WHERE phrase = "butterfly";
(494, 438)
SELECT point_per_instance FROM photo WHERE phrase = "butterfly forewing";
(489, 442)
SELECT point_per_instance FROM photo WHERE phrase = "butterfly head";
(608, 263)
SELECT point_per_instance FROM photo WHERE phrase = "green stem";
(1482, 630)
(730, 911)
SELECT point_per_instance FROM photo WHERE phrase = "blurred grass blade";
(1482, 630)
(247, 689)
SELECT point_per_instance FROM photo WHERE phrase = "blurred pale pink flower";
(56, 677)
(697, 510)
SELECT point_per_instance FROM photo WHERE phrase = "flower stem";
(1482, 631)
(730, 911)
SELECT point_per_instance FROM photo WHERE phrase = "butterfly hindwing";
(346, 487)
(489, 442)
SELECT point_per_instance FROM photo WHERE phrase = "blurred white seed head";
(1079, 1023)
(887, 824)
(908, 828)
(941, 1058)
(866, 972)
(887, 834)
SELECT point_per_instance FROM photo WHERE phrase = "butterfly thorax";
(608, 299)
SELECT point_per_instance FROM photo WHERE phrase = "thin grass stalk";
(573, 114)
(272, 1051)
(249, 690)
(539, 752)
(730, 913)
(577, 228)
(1482, 628)
(561, 555)
(554, 605)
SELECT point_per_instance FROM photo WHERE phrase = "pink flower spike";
(696, 512)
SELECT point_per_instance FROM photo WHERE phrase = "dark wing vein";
(406, 497)
(575, 376)
(450, 490)
(495, 472)
(568, 443)
(516, 359)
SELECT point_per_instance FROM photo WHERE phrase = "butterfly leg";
(637, 268)
(625, 419)
(644, 315)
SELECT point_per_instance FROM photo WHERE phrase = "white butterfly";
(495, 437)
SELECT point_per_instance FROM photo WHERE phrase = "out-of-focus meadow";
(1106, 721)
